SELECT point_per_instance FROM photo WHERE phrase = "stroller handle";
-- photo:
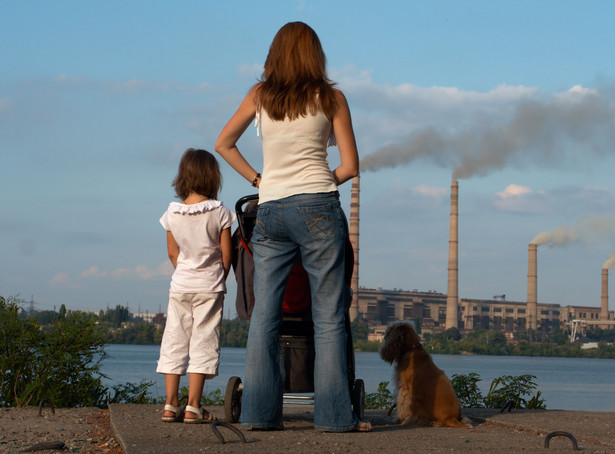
(241, 215)
(241, 202)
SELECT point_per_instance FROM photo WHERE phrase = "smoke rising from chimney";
(561, 236)
(536, 134)
(587, 231)
(610, 262)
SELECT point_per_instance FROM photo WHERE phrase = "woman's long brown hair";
(295, 79)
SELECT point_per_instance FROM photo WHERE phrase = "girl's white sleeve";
(227, 217)
(164, 220)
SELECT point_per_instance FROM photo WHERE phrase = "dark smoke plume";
(538, 133)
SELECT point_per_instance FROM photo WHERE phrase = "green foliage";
(559, 337)
(44, 317)
(466, 388)
(452, 334)
(491, 342)
(137, 333)
(502, 390)
(367, 346)
(211, 399)
(16, 353)
(382, 398)
(60, 362)
(131, 393)
(115, 317)
(359, 329)
(234, 333)
(509, 388)
(597, 334)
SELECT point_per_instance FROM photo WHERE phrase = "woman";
(297, 109)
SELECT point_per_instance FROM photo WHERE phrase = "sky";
(514, 99)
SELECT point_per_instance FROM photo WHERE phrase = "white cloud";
(60, 279)
(514, 190)
(63, 280)
(94, 271)
(521, 199)
(142, 272)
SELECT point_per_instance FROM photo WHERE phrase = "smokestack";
(354, 240)
(452, 298)
(604, 299)
(532, 291)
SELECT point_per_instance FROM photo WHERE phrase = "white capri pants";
(192, 334)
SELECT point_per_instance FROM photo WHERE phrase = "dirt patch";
(86, 430)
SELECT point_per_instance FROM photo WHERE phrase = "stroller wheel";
(357, 397)
(232, 400)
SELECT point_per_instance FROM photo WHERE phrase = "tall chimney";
(354, 240)
(452, 298)
(532, 291)
(604, 299)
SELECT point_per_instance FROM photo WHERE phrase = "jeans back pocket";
(318, 220)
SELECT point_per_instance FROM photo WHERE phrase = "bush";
(382, 398)
(60, 362)
(466, 388)
(503, 390)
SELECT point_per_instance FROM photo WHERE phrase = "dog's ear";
(393, 344)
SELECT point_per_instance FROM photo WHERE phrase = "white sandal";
(200, 416)
(179, 413)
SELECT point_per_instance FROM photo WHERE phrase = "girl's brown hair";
(198, 172)
(295, 78)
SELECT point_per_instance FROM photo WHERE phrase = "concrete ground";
(139, 431)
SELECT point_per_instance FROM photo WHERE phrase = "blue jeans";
(314, 226)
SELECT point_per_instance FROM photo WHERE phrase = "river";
(565, 383)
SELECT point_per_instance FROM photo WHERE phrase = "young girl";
(199, 246)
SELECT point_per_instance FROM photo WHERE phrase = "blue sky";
(98, 100)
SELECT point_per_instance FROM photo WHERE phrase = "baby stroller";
(297, 328)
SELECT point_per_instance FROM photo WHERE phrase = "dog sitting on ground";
(425, 396)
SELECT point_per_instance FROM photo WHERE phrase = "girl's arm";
(346, 144)
(226, 248)
(226, 145)
(172, 248)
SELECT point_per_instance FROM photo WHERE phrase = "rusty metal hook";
(561, 433)
(42, 403)
(214, 429)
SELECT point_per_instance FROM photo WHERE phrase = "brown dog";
(425, 396)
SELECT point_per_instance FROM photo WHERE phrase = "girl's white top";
(295, 156)
(196, 229)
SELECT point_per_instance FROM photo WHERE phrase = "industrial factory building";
(437, 312)
(380, 307)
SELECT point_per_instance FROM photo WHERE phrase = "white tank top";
(295, 156)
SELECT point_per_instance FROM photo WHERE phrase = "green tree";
(60, 362)
(452, 334)
(116, 316)
(359, 329)
(234, 333)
